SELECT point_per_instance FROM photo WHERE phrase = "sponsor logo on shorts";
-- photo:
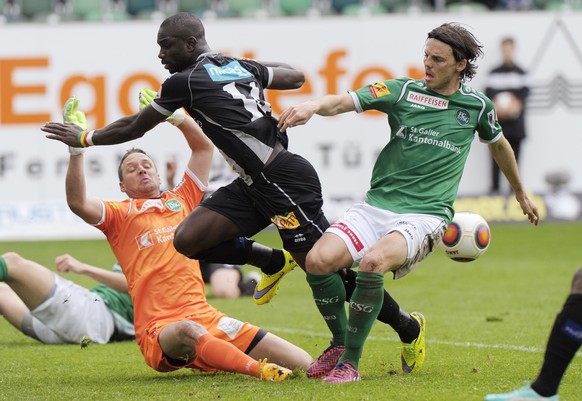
(299, 238)
(409, 233)
(406, 227)
(286, 222)
(152, 332)
(379, 89)
(351, 235)
(230, 326)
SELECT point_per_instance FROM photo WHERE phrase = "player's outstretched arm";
(505, 159)
(202, 148)
(284, 76)
(89, 209)
(328, 105)
(123, 130)
(114, 280)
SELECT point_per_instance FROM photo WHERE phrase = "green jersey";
(119, 303)
(420, 168)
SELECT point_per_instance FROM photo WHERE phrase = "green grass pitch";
(487, 326)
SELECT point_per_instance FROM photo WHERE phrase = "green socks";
(329, 294)
(3, 269)
(364, 308)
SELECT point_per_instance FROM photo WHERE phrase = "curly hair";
(464, 44)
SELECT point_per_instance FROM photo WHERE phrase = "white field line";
(431, 340)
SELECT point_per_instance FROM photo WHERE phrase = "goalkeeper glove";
(72, 115)
(147, 95)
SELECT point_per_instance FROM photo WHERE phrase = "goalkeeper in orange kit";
(175, 327)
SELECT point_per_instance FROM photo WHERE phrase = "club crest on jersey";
(287, 222)
(427, 100)
(379, 89)
(463, 117)
(173, 205)
(230, 72)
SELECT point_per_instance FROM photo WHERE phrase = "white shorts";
(71, 313)
(363, 225)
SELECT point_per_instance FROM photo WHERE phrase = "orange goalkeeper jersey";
(163, 283)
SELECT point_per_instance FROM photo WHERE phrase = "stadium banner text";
(38, 73)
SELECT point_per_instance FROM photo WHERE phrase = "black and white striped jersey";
(225, 95)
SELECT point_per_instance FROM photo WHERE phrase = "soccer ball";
(467, 237)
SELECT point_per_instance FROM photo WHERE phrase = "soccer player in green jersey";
(410, 202)
(54, 310)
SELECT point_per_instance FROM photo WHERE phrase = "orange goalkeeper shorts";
(240, 334)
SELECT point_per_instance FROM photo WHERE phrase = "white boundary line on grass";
(452, 343)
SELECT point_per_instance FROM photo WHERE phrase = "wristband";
(82, 138)
(177, 117)
(89, 138)
(76, 151)
(85, 138)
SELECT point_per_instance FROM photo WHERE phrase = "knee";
(184, 243)
(316, 263)
(577, 282)
(373, 262)
(187, 330)
(13, 260)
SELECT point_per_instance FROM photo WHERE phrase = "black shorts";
(287, 193)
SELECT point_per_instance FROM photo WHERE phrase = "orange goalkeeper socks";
(225, 356)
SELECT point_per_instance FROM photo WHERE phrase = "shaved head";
(184, 25)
